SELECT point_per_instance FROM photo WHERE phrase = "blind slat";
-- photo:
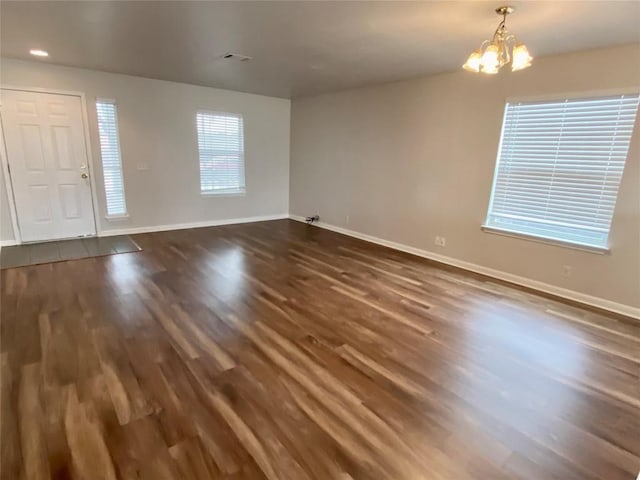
(559, 167)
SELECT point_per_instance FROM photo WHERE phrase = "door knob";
(84, 175)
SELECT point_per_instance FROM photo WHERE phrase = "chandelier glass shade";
(501, 50)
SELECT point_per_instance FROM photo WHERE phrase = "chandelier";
(502, 49)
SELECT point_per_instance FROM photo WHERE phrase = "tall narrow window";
(559, 168)
(111, 162)
(221, 149)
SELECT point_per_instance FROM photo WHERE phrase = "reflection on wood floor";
(280, 351)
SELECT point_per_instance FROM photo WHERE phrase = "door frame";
(87, 145)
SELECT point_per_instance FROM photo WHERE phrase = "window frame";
(235, 192)
(118, 216)
(485, 227)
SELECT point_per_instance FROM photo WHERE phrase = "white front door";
(48, 164)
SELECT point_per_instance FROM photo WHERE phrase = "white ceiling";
(298, 48)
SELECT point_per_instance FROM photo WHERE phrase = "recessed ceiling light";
(38, 53)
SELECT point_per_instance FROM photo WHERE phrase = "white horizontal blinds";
(221, 148)
(560, 165)
(111, 162)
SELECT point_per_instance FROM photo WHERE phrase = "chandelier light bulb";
(474, 62)
(521, 57)
(490, 58)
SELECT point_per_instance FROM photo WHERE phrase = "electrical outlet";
(440, 241)
(346, 219)
(566, 270)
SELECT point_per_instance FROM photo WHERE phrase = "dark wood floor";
(280, 351)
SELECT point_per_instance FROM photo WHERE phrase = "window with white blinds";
(111, 162)
(221, 149)
(559, 168)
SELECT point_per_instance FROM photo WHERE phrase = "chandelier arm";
(510, 42)
(501, 25)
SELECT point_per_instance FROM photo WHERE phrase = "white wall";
(157, 128)
(410, 160)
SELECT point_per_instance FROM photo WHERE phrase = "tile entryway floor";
(48, 252)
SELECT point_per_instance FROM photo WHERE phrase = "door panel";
(45, 143)
(32, 147)
(27, 108)
(70, 201)
(40, 204)
(62, 148)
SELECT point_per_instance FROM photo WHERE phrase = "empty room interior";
(320, 240)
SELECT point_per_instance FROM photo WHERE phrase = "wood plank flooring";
(280, 351)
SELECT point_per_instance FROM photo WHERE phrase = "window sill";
(225, 193)
(549, 241)
(117, 218)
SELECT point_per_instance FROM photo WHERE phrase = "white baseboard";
(598, 302)
(182, 226)
(8, 243)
